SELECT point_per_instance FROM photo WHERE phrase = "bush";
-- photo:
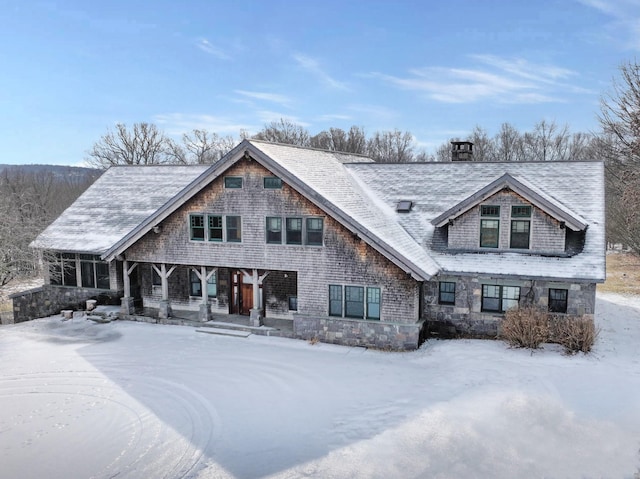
(574, 333)
(526, 327)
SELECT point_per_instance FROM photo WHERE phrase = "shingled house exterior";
(348, 250)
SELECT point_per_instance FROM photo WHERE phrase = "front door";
(242, 301)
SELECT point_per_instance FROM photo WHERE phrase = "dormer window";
(404, 206)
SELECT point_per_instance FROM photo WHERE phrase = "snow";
(130, 400)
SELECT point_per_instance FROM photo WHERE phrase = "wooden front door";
(242, 292)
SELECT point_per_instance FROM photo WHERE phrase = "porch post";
(165, 305)
(205, 306)
(256, 312)
(126, 302)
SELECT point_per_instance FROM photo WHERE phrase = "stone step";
(225, 332)
(237, 327)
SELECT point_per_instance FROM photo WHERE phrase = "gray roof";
(575, 188)
(127, 201)
(114, 205)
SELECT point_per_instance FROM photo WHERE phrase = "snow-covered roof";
(114, 205)
(577, 188)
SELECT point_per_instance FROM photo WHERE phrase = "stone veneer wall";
(358, 332)
(466, 318)
(50, 299)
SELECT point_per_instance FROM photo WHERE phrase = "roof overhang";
(535, 196)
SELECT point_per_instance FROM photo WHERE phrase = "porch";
(224, 322)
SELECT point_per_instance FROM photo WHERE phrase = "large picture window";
(62, 270)
(357, 302)
(499, 298)
(558, 300)
(94, 273)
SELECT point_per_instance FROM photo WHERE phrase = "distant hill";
(59, 171)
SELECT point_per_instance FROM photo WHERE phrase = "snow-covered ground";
(131, 400)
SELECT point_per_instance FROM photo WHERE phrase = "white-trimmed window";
(215, 228)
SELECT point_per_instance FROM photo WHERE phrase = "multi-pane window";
(489, 228)
(62, 270)
(447, 292)
(274, 230)
(218, 228)
(489, 233)
(294, 230)
(215, 228)
(354, 302)
(335, 300)
(499, 298)
(293, 303)
(272, 183)
(234, 229)
(314, 231)
(93, 272)
(558, 300)
(196, 223)
(195, 288)
(520, 234)
(233, 182)
(521, 211)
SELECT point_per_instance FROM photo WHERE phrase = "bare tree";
(483, 146)
(391, 147)
(284, 131)
(199, 147)
(145, 144)
(508, 144)
(336, 139)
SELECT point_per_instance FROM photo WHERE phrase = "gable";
(533, 195)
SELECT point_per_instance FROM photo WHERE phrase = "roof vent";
(404, 206)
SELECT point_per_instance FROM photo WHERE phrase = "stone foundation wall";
(50, 299)
(357, 332)
(466, 318)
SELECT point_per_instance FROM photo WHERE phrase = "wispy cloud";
(267, 116)
(313, 66)
(625, 20)
(494, 78)
(207, 47)
(334, 116)
(270, 97)
(176, 124)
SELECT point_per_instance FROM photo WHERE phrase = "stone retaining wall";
(48, 300)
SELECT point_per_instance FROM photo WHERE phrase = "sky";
(71, 70)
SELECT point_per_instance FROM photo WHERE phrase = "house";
(347, 250)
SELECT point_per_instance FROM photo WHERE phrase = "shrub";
(574, 333)
(526, 327)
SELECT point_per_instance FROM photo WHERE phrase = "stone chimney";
(461, 151)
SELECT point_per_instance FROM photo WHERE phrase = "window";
(215, 228)
(233, 182)
(489, 233)
(354, 301)
(314, 231)
(272, 183)
(62, 270)
(520, 234)
(335, 300)
(373, 303)
(93, 272)
(359, 302)
(196, 227)
(234, 229)
(490, 210)
(521, 211)
(499, 298)
(447, 294)
(293, 303)
(195, 285)
(294, 230)
(274, 230)
(558, 300)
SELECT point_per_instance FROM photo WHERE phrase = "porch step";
(260, 330)
(225, 332)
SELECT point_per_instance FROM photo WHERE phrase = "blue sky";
(70, 70)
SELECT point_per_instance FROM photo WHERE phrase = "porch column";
(126, 302)
(257, 312)
(165, 305)
(205, 306)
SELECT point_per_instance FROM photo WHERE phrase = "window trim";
(511, 233)
(312, 231)
(192, 217)
(272, 182)
(216, 228)
(501, 298)
(292, 302)
(441, 292)
(556, 301)
(288, 230)
(237, 238)
(521, 211)
(338, 297)
(483, 234)
(233, 182)
(273, 231)
(206, 217)
(490, 211)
